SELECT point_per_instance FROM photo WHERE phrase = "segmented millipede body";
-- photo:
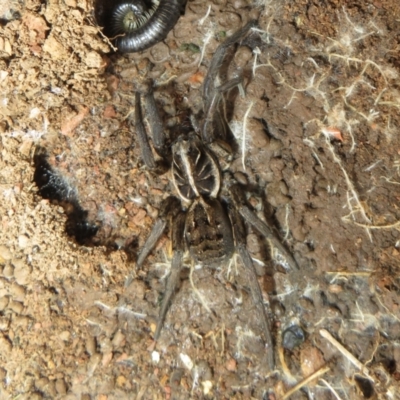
(136, 26)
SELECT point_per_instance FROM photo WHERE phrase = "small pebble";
(17, 292)
(65, 336)
(105, 344)
(35, 396)
(155, 357)
(121, 380)
(90, 345)
(335, 288)
(311, 360)
(41, 384)
(5, 253)
(22, 271)
(4, 302)
(8, 271)
(23, 241)
(5, 345)
(118, 339)
(231, 365)
(16, 306)
(186, 360)
(61, 387)
(4, 323)
(139, 217)
(207, 387)
(107, 357)
(21, 321)
(93, 60)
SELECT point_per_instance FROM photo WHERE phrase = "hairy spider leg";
(170, 207)
(170, 212)
(156, 124)
(144, 144)
(214, 126)
(178, 248)
(219, 55)
(239, 233)
(212, 94)
(236, 194)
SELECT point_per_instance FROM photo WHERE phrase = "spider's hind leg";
(236, 194)
(170, 212)
(169, 207)
(178, 248)
(239, 234)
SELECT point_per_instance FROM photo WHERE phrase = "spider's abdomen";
(208, 232)
(195, 170)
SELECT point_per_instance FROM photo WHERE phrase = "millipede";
(134, 25)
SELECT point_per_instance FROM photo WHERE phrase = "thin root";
(305, 382)
(362, 368)
(196, 291)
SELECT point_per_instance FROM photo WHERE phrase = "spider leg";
(144, 144)
(169, 206)
(213, 118)
(214, 126)
(178, 247)
(239, 234)
(157, 128)
(156, 232)
(219, 55)
(238, 198)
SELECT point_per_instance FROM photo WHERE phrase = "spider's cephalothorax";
(195, 170)
(197, 179)
(208, 216)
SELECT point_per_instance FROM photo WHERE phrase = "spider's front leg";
(157, 129)
(219, 55)
(239, 233)
(214, 126)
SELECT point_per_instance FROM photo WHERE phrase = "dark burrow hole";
(365, 386)
(53, 186)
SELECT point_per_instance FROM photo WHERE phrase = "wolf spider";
(208, 216)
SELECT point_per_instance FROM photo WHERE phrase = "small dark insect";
(136, 25)
(208, 215)
(292, 337)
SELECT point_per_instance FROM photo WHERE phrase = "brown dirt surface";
(315, 138)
